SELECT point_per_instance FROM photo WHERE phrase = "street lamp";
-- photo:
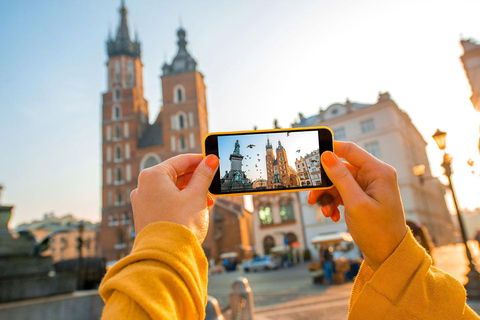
(473, 285)
(80, 228)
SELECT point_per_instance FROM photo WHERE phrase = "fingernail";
(336, 215)
(329, 158)
(309, 197)
(212, 161)
(324, 211)
(209, 201)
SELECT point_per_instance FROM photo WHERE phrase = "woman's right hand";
(368, 189)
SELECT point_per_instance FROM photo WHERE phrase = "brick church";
(279, 173)
(130, 143)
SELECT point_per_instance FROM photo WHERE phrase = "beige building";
(303, 173)
(277, 219)
(64, 243)
(387, 133)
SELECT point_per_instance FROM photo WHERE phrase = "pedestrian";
(165, 276)
(328, 267)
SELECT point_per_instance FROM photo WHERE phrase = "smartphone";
(267, 161)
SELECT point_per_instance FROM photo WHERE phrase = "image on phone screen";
(257, 162)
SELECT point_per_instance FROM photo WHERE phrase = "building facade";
(277, 223)
(471, 64)
(129, 142)
(389, 134)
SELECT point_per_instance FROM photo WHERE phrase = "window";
(334, 111)
(117, 71)
(149, 160)
(119, 199)
(190, 119)
(116, 113)
(367, 126)
(181, 122)
(128, 172)
(373, 148)
(127, 195)
(110, 198)
(127, 151)
(179, 94)
(130, 72)
(125, 129)
(118, 133)
(109, 133)
(183, 144)
(265, 215)
(109, 154)
(118, 153)
(118, 175)
(109, 176)
(339, 134)
(192, 140)
(173, 143)
(116, 94)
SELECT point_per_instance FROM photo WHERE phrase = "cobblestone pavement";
(290, 294)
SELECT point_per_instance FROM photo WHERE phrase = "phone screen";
(253, 162)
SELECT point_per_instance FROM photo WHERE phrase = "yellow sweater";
(165, 277)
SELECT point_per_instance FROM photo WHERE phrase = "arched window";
(118, 175)
(109, 154)
(119, 199)
(118, 133)
(183, 143)
(268, 244)
(286, 211)
(265, 215)
(181, 122)
(116, 113)
(179, 94)
(116, 94)
(149, 160)
(117, 71)
(109, 133)
(118, 153)
(130, 72)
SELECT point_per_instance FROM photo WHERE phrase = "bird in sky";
(258, 160)
(288, 134)
(258, 154)
(250, 146)
(298, 151)
(256, 166)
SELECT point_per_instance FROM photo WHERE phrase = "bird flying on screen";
(250, 146)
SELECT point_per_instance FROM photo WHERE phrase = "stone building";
(388, 133)
(63, 245)
(279, 173)
(312, 161)
(230, 230)
(303, 172)
(277, 222)
(471, 63)
(129, 142)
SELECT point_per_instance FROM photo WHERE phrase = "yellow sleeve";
(407, 286)
(165, 277)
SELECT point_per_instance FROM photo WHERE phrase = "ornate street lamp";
(473, 285)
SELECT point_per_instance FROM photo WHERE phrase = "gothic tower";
(184, 111)
(124, 120)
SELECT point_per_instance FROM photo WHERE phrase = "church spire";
(183, 61)
(122, 44)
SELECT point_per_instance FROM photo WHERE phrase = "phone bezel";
(210, 146)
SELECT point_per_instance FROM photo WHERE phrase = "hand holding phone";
(266, 161)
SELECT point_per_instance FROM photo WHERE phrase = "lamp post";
(473, 285)
(419, 171)
(80, 228)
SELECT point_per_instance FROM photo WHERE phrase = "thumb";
(203, 175)
(342, 178)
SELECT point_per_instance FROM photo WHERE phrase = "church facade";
(279, 173)
(129, 142)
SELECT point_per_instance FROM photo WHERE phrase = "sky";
(253, 162)
(261, 60)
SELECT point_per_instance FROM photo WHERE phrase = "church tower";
(184, 111)
(124, 120)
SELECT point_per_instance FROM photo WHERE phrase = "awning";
(278, 249)
(228, 255)
(328, 238)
